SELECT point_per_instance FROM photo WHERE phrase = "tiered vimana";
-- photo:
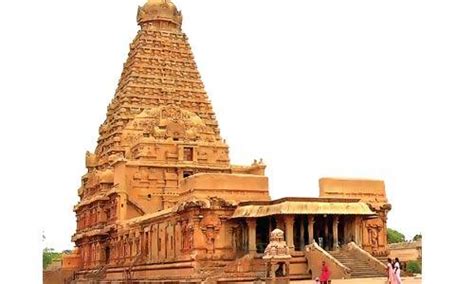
(158, 153)
(161, 201)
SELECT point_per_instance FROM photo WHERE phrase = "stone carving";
(188, 236)
(374, 238)
(277, 258)
(210, 226)
(91, 160)
(170, 123)
(237, 238)
(116, 157)
(373, 230)
(277, 248)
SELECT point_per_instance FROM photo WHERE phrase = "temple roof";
(202, 203)
(290, 206)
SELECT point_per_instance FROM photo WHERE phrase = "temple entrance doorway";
(325, 230)
(322, 227)
(263, 233)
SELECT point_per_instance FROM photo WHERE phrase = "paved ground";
(406, 280)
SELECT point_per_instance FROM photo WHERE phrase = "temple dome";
(159, 11)
(161, 2)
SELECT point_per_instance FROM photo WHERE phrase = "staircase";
(360, 269)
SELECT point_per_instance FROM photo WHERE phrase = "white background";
(370, 89)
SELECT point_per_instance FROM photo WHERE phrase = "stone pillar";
(103, 254)
(152, 243)
(133, 248)
(122, 206)
(301, 234)
(270, 229)
(137, 244)
(245, 237)
(357, 231)
(100, 254)
(113, 251)
(92, 256)
(173, 239)
(310, 228)
(326, 233)
(280, 223)
(100, 215)
(289, 221)
(119, 248)
(335, 234)
(121, 252)
(252, 235)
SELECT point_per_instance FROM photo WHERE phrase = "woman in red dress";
(324, 274)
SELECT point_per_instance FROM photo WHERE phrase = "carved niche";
(375, 236)
(210, 226)
(188, 238)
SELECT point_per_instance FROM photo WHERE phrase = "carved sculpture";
(188, 236)
(210, 226)
(373, 230)
(277, 258)
(374, 236)
(277, 247)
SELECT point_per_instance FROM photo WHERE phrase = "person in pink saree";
(390, 275)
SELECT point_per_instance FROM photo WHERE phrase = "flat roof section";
(306, 206)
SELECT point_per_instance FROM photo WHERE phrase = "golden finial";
(159, 11)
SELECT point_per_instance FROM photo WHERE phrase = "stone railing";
(362, 255)
(315, 255)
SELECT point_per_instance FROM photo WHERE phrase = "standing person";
(320, 242)
(389, 269)
(396, 272)
(324, 274)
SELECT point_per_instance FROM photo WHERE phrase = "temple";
(161, 201)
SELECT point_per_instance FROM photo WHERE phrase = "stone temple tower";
(160, 128)
(161, 201)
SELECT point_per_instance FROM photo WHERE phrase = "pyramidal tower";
(159, 146)
(160, 126)
(161, 89)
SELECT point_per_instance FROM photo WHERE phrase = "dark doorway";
(280, 271)
(300, 232)
(107, 254)
(340, 230)
(263, 236)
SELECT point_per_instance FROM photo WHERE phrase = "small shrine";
(277, 259)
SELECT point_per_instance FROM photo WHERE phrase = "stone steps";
(360, 269)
